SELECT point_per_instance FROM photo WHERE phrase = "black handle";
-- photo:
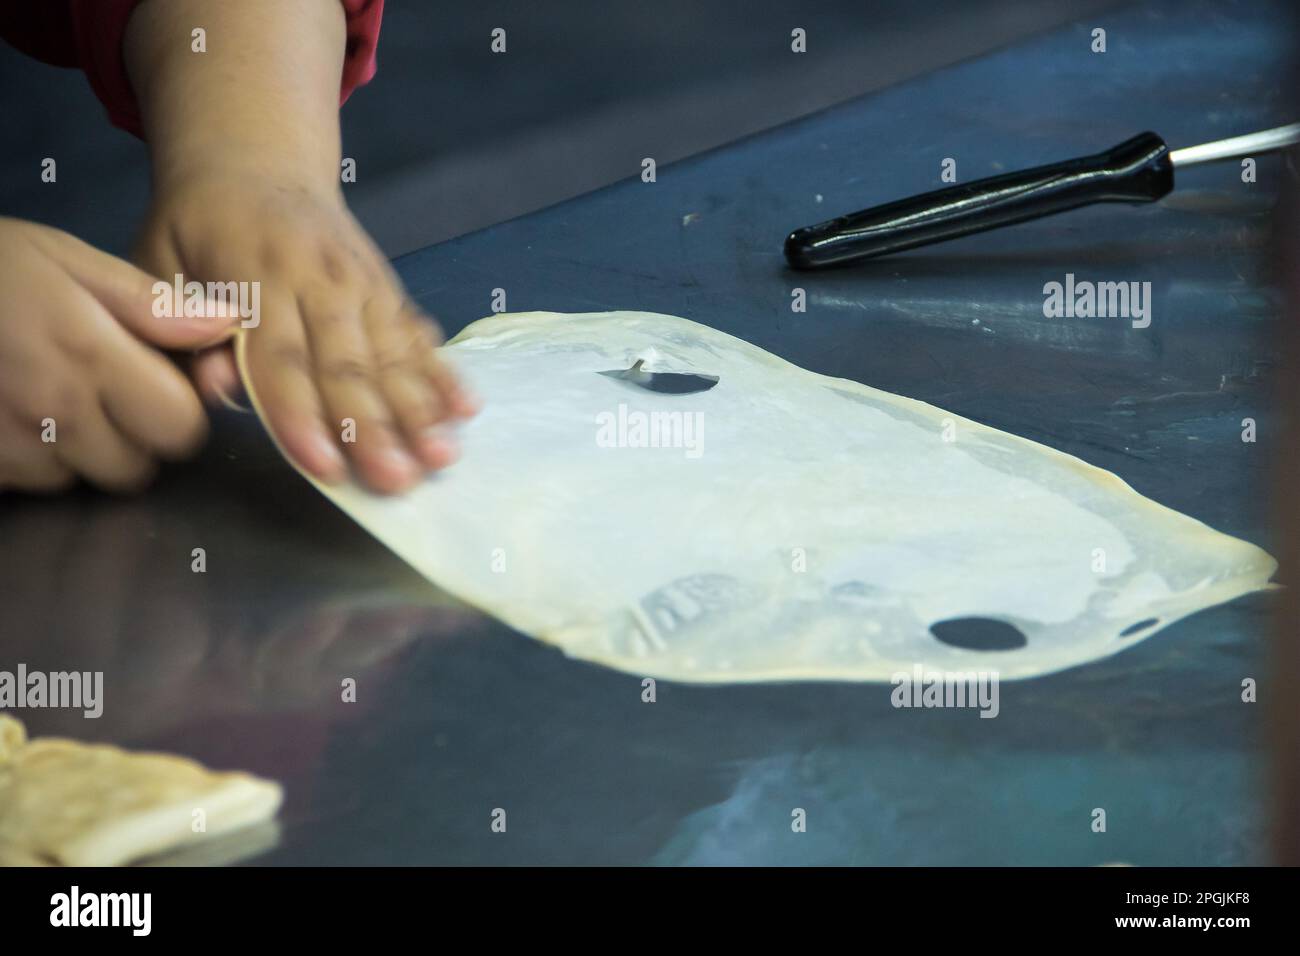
(1137, 170)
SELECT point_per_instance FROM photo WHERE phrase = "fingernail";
(399, 459)
(330, 455)
(440, 444)
(225, 398)
(469, 402)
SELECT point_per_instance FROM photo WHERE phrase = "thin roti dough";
(816, 531)
(75, 804)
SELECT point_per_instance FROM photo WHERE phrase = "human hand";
(84, 389)
(336, 339)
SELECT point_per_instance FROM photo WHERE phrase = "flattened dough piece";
(76, 804)
(817, 529)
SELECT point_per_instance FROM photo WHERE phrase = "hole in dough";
(665, 383)
(1139, 626)
(978, 634)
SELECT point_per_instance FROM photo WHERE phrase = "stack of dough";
(65, 802)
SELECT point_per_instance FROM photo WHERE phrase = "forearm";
(262, 100)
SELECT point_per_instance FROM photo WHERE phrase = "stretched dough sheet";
(788, 525)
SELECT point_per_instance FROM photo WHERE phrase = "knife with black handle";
(1138, 170)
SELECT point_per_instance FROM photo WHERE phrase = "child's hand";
(83, 390)
(244, 141)
(336, 337)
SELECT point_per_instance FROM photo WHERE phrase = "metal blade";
(1249, 145)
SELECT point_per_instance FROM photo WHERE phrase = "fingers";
(145, 396)
(93, 447)
(426, 337)
(455, 396)
(80, 393)
(27, 464)
(56, 434)
(349, 381)
(149, 307)
(381, 384)
(417, 403)
(280, 366)
(216, 376)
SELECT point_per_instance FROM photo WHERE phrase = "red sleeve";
(88, 34)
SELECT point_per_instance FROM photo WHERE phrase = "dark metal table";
(457, 716)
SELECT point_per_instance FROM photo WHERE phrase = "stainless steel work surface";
(456, 715)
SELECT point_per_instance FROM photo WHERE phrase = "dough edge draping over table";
(900, 513)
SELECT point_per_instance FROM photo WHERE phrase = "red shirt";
(88, 34)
